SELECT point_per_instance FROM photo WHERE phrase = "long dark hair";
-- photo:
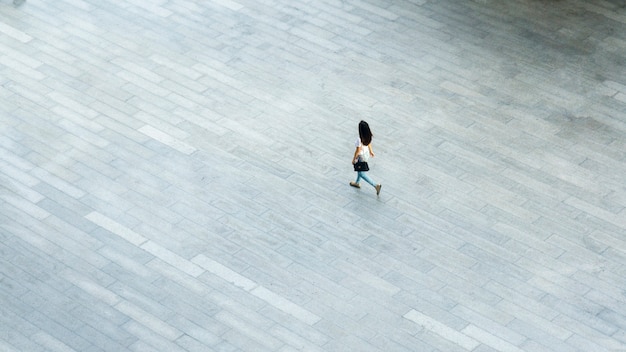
(365, 134)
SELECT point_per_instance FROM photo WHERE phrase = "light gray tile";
(189, 159)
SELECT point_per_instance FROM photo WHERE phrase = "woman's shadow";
(18, 3)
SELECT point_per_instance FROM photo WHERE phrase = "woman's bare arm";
(356, 155)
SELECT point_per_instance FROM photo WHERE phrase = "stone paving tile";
(174, 176)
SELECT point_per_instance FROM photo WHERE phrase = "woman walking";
(362, 153)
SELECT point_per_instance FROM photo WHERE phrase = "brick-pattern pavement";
(174, 175)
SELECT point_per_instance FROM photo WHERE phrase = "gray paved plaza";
(174, 175)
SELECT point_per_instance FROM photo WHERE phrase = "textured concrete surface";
(174, 175)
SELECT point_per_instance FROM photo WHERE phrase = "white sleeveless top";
(364, 153)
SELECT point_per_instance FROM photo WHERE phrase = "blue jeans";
(363, 175)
